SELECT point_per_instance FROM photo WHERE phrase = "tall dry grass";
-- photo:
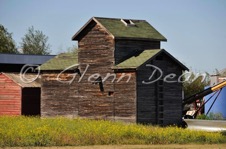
(33, 131)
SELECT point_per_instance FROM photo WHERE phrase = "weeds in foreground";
(33, 131)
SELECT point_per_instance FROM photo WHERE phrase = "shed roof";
(24, 59)
(114, 26)
(136, 61)
(62, 61)
(25, 80)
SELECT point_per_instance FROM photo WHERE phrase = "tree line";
(33, 42)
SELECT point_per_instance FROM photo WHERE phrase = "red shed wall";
(10, 96)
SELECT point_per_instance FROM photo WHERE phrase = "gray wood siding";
(146, 97)
(127, 48)
(58, 98)
(159, 102)
(111, 100)
(96, 51)
(88, 98)
(125, 98)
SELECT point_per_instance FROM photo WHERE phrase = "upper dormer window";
(128, 22)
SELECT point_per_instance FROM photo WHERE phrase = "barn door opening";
(31, 101)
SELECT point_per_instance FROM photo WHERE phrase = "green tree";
(195, 83)
(35, 42)
(7, 44)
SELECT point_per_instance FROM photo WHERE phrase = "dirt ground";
(174, 146)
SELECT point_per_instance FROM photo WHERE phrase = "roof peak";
(136, 61)
(119, 19)
(121, 30)
(62, 61)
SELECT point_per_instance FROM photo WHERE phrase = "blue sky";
(195, 29)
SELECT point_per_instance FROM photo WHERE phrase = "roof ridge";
(61, 61)
(119, 19)
(119, 30)
(136, 61)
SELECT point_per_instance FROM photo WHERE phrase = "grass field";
(33, 131)
(169, 146)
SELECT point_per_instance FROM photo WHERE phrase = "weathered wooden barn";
(18, 96)
(59, 94)
(119, 73)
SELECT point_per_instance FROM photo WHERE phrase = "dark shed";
(158, 91)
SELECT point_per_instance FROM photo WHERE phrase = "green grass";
(33, 131)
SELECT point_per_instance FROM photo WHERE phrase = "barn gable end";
(158, 102)
(59, 91)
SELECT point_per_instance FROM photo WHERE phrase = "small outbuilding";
(19, 94)
(119, 72)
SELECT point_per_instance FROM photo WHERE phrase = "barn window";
(128, 22)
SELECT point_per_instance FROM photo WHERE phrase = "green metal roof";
(138, 60)
(140, 30)
(61, 62)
